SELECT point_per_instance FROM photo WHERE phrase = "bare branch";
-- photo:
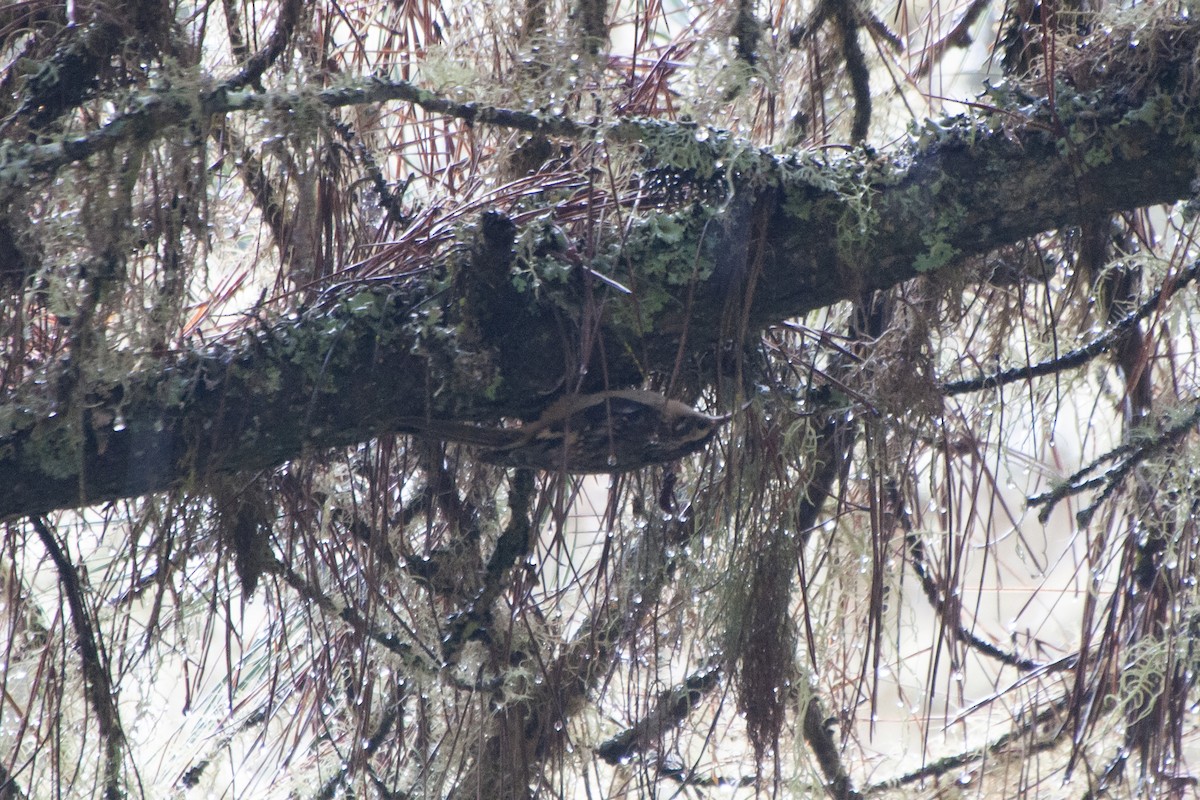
(101, 692)
(1081, 355)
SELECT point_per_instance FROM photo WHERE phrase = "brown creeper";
(613, 431)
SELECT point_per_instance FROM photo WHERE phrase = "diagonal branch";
(532, 730)
(367, 362)
(1080, 356)
(101, 693)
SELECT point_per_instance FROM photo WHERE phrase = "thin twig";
(413, 658)
(1081, 355)
(1115, 477)
(936, 595)
(955, 762)
(95, 670)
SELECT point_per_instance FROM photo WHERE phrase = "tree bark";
(784, 236)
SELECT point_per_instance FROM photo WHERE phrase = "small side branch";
(421, 662)
(512, 545)
(1114, 478)
(257, 64)
(1082, 355)
(670, 709)
(949, 764)
(95, 669)
(819, 735)
(936, 595)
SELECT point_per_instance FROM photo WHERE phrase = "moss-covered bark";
(775, 237)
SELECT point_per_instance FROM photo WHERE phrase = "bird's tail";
(459, 432)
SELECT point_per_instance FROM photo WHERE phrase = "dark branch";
(1025, 729)
(937, 595)
(256, 65)
(818, 732)
(95, 671)
(344, 374)
(1082, 355)
(670, 709)
(1135, 453)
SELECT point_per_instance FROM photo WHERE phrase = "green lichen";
(56, 448)
(939, 254)
(14, 419)
(933, 133)
(858, 222)
(535, 263)
(662, 257)
(1156, 112)
(703, 155)
(938, 250)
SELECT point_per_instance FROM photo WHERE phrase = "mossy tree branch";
(368, 360)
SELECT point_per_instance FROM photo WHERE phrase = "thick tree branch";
(367, 362)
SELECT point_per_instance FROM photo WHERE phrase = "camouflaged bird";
(613, 431)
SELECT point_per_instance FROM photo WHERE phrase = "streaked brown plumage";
(613, 431)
